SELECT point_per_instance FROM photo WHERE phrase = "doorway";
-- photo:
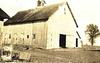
(62, 40)
(76, 42)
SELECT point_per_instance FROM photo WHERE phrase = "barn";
(50, 26)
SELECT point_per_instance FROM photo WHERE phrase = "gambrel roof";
(3, 15)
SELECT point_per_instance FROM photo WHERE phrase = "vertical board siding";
(39, 29)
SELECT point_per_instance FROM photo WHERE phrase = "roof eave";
(72, 14)
(24, 22)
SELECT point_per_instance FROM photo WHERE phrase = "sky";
(85, 11)
(12, 6)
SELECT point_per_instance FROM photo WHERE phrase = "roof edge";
(72, 14)
(25, 22)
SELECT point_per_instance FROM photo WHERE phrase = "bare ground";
(65, 56)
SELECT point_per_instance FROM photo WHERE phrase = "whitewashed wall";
(1, 32)
(18, 34)
(60, 23)
(40, 31)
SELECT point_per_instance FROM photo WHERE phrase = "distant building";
(52, 26)
(3, 16)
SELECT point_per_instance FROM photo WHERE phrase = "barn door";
(76, 42)
(62, 40)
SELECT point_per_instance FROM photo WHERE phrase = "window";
(34, 36)
(9, 36)
(27, 36)
(64, 10)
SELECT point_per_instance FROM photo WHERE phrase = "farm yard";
(77, 55)
(66, 56)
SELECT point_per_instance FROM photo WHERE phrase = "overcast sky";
(85, 11)
(12, 6)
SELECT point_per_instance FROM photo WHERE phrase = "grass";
(76, 56)
(64, 56)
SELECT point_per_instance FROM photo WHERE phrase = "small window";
(27, 36)
(64, 10)
(9, 36)
(34, 36)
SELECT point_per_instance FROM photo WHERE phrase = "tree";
(93, 32)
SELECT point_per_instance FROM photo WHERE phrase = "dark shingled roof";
(36, 15)
(33, 15)
(3, 15)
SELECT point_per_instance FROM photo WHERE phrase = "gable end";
(72, 14)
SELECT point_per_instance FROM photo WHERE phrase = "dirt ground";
(76, 55)
(65, 56)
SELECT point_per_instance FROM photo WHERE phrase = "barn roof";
(36, 15)
(33, 15)
(3, 15)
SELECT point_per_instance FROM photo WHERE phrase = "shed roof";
(33, 15)
(3, 15)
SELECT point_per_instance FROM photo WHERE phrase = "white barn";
(51, 26)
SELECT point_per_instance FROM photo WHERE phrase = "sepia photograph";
(49, 31)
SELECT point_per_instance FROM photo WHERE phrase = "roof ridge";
(40, 7)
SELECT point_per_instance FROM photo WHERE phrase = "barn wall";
(26, 34)
(40, 31)
(17, 34)
(1, 32)
(61, 22)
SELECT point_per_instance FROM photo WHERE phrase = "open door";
(62, 41)
(76, 42)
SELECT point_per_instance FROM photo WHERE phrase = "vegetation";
(93, 32)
